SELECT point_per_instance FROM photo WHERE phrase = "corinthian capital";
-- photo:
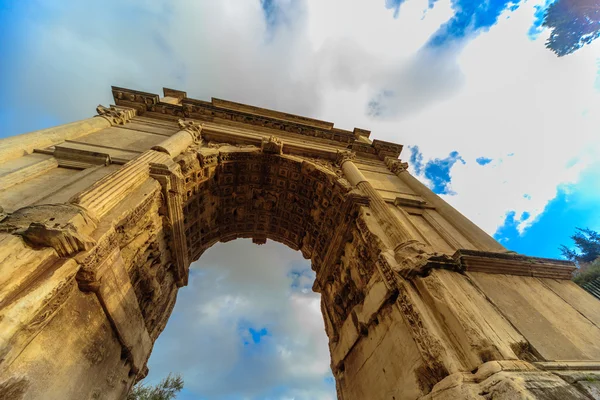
(343, 156)
(395, 165)
(114, 115)
(192, 127)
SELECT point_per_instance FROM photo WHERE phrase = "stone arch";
(306, 204)
(228, 192)
(405, 318)
(236, 192)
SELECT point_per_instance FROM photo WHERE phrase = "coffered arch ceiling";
(245, 192)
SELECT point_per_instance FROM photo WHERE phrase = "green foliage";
(574, 24)
(588, 243)
(167, 389)
(587, 258)
(591, 273)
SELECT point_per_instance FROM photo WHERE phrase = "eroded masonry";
(101, 219)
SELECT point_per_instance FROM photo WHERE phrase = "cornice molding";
(239, 113)
(395, 165)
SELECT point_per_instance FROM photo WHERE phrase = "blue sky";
(573, 206)
(491, 120)
(255, 317)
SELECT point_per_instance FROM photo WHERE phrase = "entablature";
(177, 105)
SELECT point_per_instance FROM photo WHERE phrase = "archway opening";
(232, 192)
(248, 325)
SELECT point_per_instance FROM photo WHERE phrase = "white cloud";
(498, 95)
(233, 289)
(519, 99)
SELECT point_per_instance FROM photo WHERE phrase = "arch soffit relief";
(242, 191)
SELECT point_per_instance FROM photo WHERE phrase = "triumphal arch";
(101, 219)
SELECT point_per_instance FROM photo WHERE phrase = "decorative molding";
(172, 182)
(207, 111)
(114, 115)
(135, 99)
(239, 154)
(407, 202)
(385, 269)
(88, 276)
(387, 149)
(431, 347)
(591, 365)
(230, 105)
(44, 290)
(395, 165)
(354, 201)
(325, 164)
(208, 157)
(358, 132)
(54, 302)
(378, 148)
(241, 113)
(513, 264)
(363, 148)
(272, 145)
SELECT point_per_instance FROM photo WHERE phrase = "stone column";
(18, 146)
(396, 228)
(189, 134)
(468, 229)
(404, 258)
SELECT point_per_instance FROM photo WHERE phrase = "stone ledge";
(68, 157)
(513, 264)
(592, 365)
